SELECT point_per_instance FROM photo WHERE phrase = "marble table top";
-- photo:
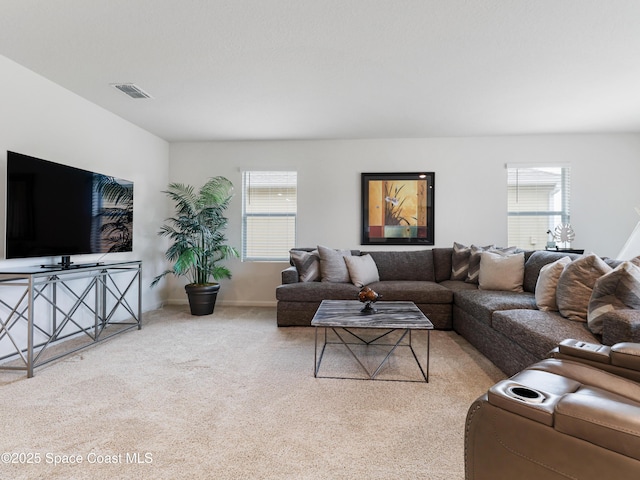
(346, 313)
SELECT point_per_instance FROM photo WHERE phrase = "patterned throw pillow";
(617, 290)
(332, 265)
(307, 264)
(576, 285)
(460, 261)
(362, 270)
(474, 263)
(547, 284)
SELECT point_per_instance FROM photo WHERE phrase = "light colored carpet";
(231, 396)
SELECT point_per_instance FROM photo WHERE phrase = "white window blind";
(538, 201)
(269, 209)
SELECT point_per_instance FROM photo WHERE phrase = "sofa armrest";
(290, 275)
(621, 326)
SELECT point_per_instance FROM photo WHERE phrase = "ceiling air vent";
(132, 90)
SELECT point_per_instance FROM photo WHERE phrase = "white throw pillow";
(501, 272)
(362, 270)
(547, 284)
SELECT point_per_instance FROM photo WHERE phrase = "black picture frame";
(398, 208)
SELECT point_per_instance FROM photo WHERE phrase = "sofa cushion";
(538, 332)
(616, 290)
(482, 303)
(576, 285)
(456, 285)
(405, 265)
(362, 270)
(307, 264)
(536, 261)
(316, 292)
(412, 291)
(442, 263)
(501, 272)
(547, 284)
(332, 266)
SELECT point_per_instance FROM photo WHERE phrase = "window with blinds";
(538, 201)
(269, 209)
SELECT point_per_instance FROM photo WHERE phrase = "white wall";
(470, 198)
(41, 119)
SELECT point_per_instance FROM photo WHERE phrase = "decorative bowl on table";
(368, 297)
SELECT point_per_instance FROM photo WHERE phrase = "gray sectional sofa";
(506, 326)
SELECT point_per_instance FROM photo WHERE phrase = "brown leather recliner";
(573, 416)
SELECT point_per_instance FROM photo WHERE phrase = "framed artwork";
(397, 208)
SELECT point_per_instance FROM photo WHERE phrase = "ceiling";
(328, 69)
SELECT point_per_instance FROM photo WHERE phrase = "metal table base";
(406, 333)
(349, 317)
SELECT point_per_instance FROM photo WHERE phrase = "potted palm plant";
(198, 242)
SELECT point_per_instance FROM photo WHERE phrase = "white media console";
(47, 312)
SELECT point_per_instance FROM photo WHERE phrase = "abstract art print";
(397, 208)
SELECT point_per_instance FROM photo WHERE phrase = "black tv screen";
(53, 209)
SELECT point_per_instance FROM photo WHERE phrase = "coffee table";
(346, 316)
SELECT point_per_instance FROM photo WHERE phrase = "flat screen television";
(57, 210)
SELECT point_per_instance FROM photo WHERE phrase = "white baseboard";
(242, 303)
(231, 303)
(155, 306)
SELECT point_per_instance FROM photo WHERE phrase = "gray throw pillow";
(332, 265)
(362, 270)
(617, 290)
(576, 285)
(307, 264)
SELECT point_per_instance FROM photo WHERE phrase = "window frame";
(565, 198)
(246, 216)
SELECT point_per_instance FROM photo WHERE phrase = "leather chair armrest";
(626, 355)
(621, 359)
(588, 351)
(602, 418)
(532, 394)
